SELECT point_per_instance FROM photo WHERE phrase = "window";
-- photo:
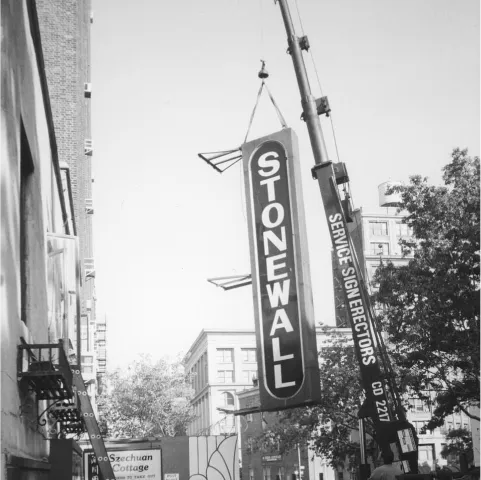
(426, 455)
(26, 171)
(88, 148)
(84, 333)
(250, 417)
(227, 424)
(419, 406)
(227, 399)
(87, 369)
(378, 228)
(251, 474)
(225, 355)
(249, 355)
(419, 427)
(192, 378)
(379, 248)
(248, 375)
(249, 443)
(403, 230)
(86, 359)
(266, 473)
(225, 376)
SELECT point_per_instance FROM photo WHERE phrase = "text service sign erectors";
(286, 338)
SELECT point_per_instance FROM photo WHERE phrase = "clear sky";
(172, 79)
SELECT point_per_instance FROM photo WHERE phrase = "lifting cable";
(263, 75)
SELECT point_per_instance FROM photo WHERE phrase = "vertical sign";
(285, 331)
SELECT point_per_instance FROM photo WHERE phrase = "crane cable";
(263, 75)
(384, 357)
(319, 84)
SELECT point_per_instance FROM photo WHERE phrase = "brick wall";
(65, 29)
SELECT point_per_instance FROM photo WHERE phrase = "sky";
(172, 79)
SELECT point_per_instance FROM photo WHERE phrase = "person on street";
(388, 471)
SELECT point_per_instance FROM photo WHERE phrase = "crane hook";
(263, 72)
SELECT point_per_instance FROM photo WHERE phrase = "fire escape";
(46, 370)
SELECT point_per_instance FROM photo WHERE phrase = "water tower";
(389, 200)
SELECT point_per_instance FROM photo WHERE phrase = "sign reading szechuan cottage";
(127, 464)
(286, 337)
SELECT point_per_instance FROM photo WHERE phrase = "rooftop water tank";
(391, 200)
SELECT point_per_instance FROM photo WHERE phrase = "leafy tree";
(147, 399)
(431, 314)
(459, 442)
(431, 305)
(328, 427)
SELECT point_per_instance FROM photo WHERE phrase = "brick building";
(38, 255)
(271, 465)
(65, 29)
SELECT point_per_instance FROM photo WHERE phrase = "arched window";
(228, 400)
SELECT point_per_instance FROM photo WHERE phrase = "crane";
(392, 430)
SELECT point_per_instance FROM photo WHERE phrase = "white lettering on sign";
(276, 277)
(276, 267)
(406, 439)
(362, 334)
(171, 476)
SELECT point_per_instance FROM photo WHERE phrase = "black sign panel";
(282, 356)
(288, 364)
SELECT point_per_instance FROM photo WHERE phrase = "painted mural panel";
(213, 457)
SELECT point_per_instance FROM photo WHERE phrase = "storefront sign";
(127, 465)
(286, 337)
(406, 439)
(271, 458)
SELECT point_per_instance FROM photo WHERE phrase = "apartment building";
(222, 363)
(270, 464)
(39, 291)
(65, 29)
(299, 464)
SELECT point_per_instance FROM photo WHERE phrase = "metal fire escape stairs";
(45, 369)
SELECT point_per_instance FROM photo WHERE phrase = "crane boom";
(392, 431)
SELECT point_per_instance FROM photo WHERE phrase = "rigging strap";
(279, 114)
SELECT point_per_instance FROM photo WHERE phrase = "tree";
(459, 443)
(431, 305)
(329, 426)
(148, 399)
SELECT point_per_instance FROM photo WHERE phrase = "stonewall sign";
(285, 331)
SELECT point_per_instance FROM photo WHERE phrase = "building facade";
(223, 366)
(38, 247)
(221, 363)
(65, 30)
(269, 464)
